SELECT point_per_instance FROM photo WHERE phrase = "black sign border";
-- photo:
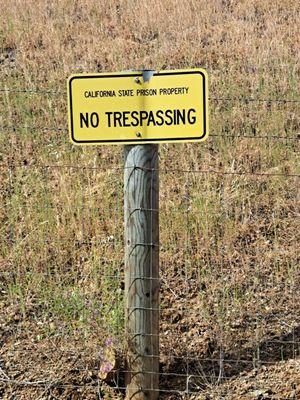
(136, 141)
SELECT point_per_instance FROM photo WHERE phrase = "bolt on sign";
(138, 107)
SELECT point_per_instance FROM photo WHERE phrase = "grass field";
(229, 206)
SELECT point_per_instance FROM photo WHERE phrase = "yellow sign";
(138, 107)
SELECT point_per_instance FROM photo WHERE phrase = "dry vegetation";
(230, 240)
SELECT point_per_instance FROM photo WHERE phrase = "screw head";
(137, 80)
(138, 134)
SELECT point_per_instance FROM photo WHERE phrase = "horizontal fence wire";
(50, 384)
(186, 357)
(32, 91)
(211, 135)
(33, 128)
(161, 170)
(212, 98)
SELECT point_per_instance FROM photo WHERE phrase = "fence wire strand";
(296, 137)
(212, 98)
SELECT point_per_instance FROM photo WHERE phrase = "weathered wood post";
(137, 107)
(141, 212)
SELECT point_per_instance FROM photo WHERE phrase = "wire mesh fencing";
(229, 256)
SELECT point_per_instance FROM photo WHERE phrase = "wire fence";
(229, 283)
(227, 99)
(29, 128)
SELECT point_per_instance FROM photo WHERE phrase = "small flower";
(106, 367)
(108, 342)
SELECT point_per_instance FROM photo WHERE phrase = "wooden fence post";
(141, 213)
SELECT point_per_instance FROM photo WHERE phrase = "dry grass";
(229, 262)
